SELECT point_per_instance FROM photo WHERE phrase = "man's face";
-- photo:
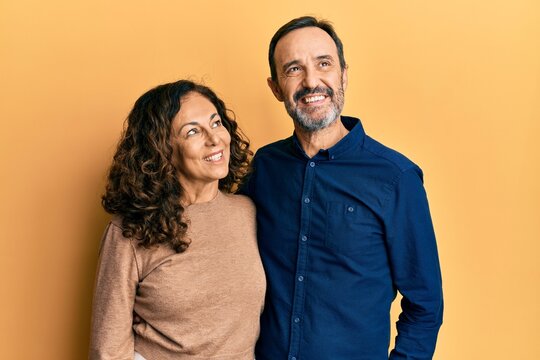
(310, 80)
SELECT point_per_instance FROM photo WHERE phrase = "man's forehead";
(308, 41)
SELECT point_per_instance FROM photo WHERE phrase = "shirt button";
(300, 278)
(350, 209)
(312, 164)
(304, 238)
(306, 200)
(293, 358)
(297, 320)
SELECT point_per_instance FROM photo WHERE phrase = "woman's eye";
(216, 123)
(192, 132)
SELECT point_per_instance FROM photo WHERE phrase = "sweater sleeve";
(114, 296)
(415, 268)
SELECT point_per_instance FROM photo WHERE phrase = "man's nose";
(311, 79)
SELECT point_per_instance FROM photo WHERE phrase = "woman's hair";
(143, 186)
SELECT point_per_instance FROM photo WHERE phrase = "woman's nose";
(212, 139)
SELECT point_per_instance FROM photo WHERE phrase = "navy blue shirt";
(339, 234)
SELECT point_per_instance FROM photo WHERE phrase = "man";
(343, 221)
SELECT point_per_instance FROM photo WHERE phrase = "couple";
(342, 223)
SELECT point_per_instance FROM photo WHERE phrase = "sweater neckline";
(205, 204)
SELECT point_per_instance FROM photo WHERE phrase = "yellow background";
(455, 85)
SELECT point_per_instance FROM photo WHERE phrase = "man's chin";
(312, 118)
(314, 124)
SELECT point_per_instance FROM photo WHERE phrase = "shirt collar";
(350, 142)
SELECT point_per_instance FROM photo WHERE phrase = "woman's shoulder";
(116, 223)
(240, 212)
(116, 226)
(115, 241)
(114, 232)
(242, 202)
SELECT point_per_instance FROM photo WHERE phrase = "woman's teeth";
(215, 157)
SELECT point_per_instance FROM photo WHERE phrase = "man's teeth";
(311, 99)
(215, 157)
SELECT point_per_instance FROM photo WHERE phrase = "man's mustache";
(316, 90)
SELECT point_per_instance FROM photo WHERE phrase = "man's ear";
(275, 89)
(345, 78)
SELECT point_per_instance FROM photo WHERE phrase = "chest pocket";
(352, 228)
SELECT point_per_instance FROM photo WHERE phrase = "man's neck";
(313, 141)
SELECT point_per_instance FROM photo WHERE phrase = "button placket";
(301, 260)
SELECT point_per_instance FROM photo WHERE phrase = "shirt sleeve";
(415, 268)
(114, 296)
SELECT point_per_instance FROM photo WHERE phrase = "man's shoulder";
(280, 146)
(393, 158)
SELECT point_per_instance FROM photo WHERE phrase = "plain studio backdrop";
(454, 85)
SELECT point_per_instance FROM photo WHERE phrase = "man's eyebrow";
(325, 57)
(287, 64)
(296, 62)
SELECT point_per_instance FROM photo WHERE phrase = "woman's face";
(200, 142)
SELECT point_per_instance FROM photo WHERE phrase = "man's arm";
(415, 268)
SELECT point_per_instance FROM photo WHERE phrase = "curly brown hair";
(143, 187)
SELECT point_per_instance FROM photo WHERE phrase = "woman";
(179, 275)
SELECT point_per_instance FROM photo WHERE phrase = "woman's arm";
(114, 296)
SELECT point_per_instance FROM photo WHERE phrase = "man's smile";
(313, 99)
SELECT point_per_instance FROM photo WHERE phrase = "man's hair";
(302, 22)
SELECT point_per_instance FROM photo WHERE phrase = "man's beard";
(306, 119)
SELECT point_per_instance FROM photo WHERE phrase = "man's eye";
(325, 64)
(293, 69)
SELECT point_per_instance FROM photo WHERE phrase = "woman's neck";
(199, 193)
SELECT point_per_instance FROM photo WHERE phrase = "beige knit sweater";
(201, 304)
